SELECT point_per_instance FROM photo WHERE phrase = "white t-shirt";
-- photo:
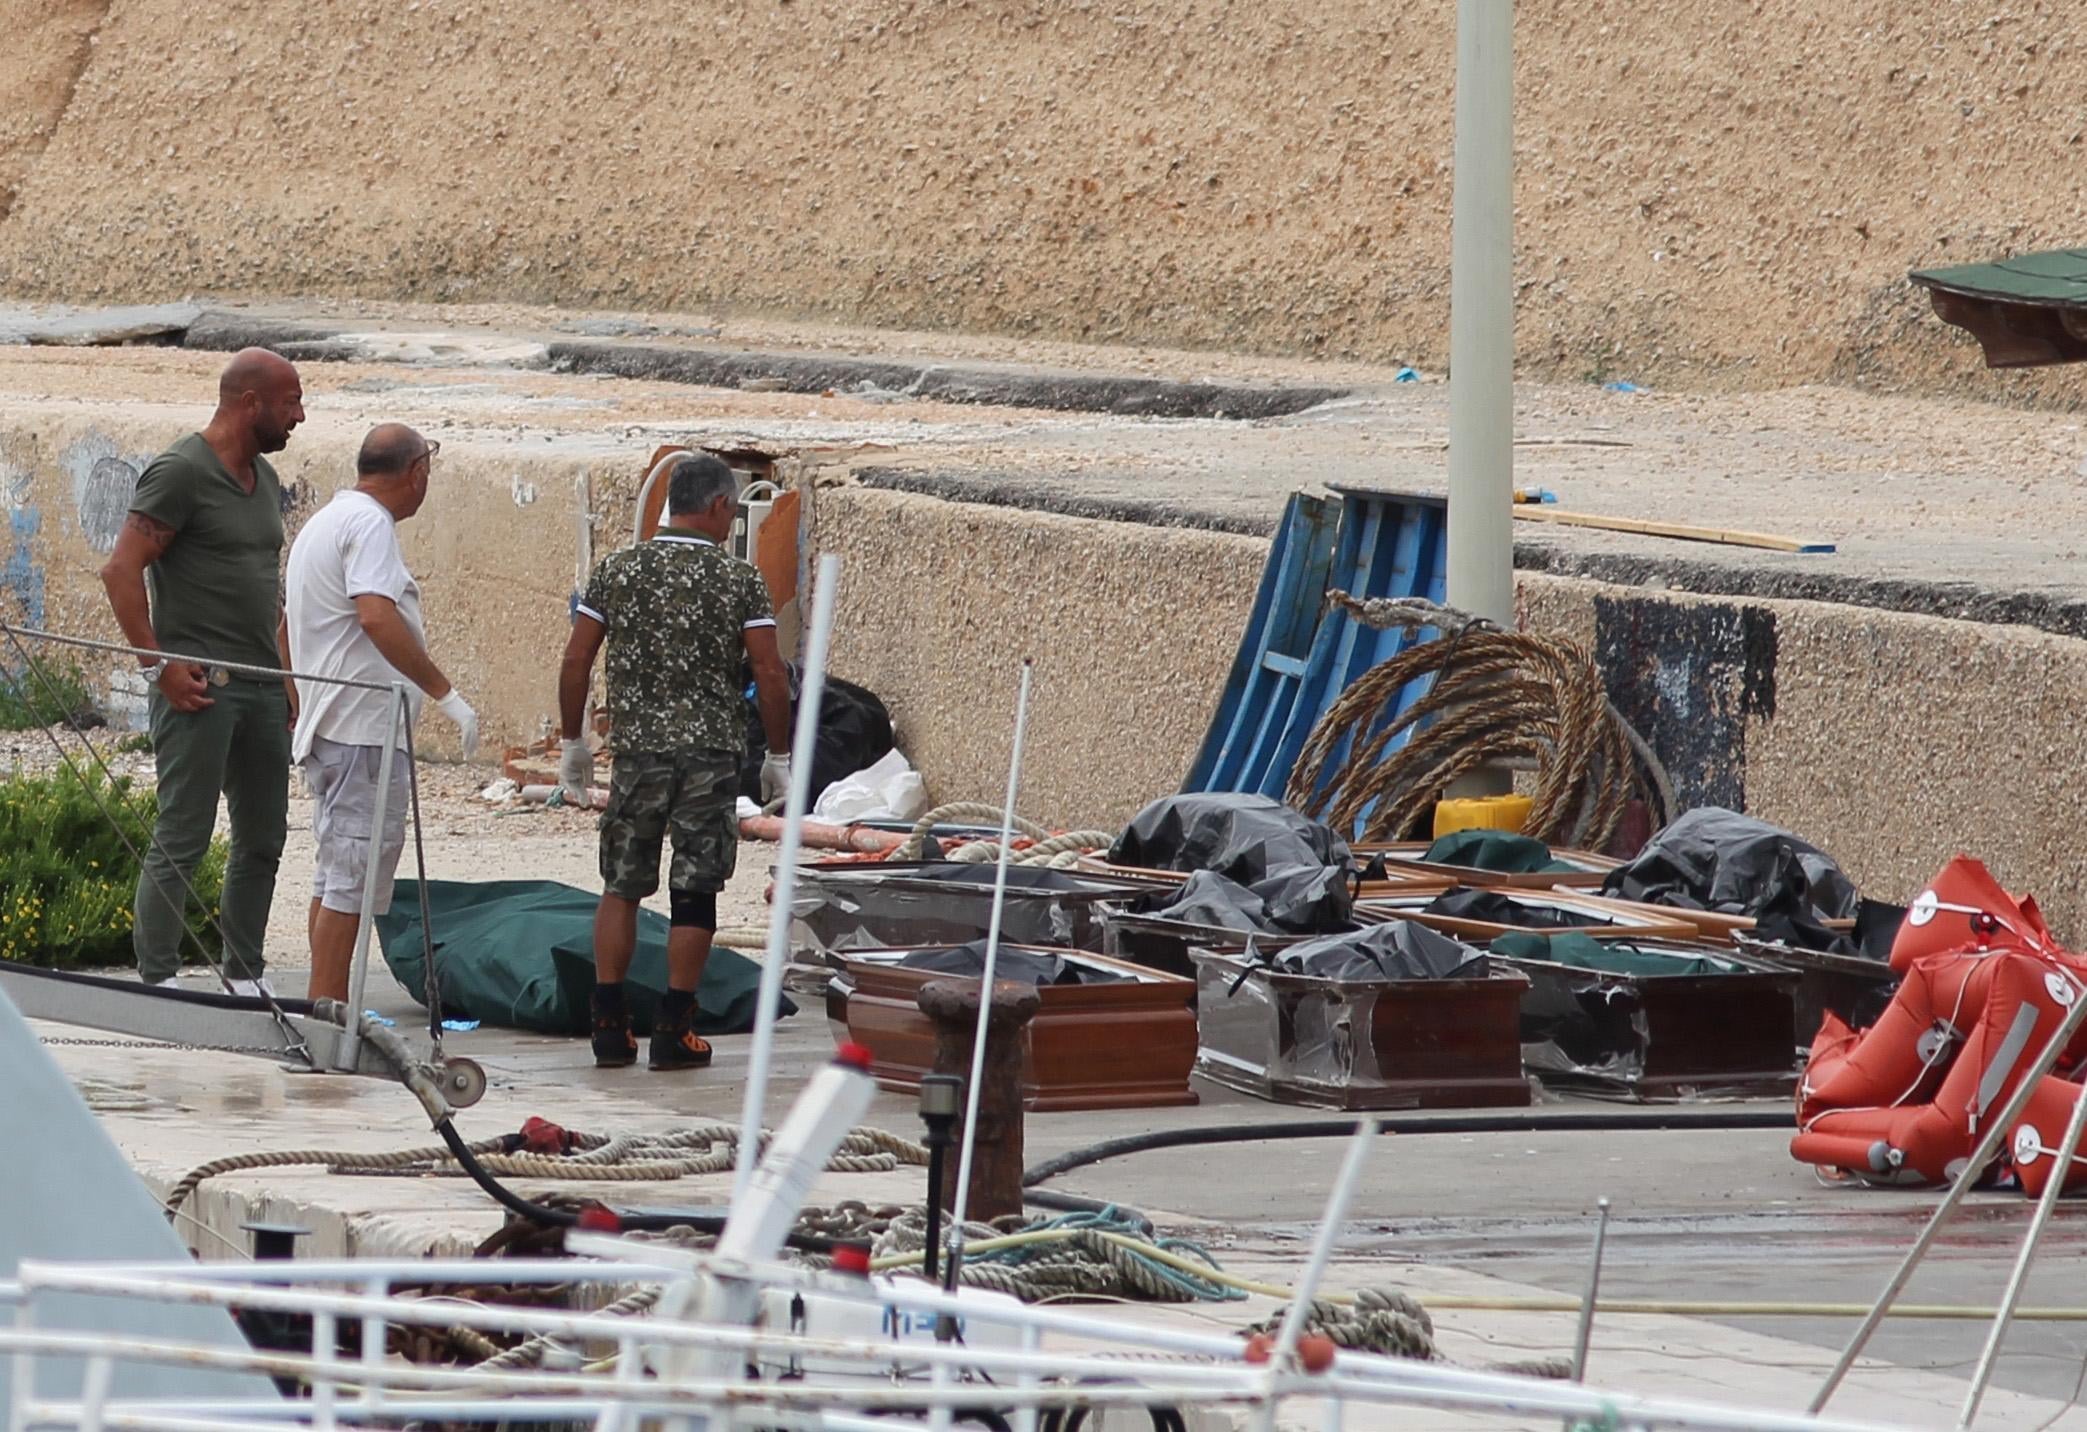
(349, 549)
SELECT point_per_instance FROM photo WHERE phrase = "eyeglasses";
(429, 453)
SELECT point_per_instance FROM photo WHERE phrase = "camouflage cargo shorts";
(692, 796)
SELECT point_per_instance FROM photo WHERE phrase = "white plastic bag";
(889, 789)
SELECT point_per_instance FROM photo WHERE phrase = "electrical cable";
(1514, 1123)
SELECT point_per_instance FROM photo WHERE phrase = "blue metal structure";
(1296, 659)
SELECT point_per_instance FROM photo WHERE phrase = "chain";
(167, 1044)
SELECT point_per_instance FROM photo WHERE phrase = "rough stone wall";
(1132, 630)
(1731, 192)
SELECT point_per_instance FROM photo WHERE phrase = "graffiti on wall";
(103, 476)
(21, 576)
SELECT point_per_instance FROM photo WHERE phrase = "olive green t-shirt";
(215, 589)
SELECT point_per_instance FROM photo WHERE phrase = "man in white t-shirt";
(352, 610)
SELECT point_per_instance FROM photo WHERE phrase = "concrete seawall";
(1890, 738)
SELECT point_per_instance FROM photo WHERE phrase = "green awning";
(2025, 311)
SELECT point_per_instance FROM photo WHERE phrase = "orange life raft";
(1984, 988)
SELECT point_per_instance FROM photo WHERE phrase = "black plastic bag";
(1399, 950)
(854, 732)
(1212, 899)
(1012, 963)
(1717, 859)
(1244, 837)
(1019, 877)
(1496, 909)
(1306, 899)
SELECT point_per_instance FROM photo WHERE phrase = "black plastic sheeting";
(1014, 964)
(1294, 900)
(1399, 950)
(1244, 837)
(1717, 859)
(1019, 877)
(854, 732)
(1497, 909)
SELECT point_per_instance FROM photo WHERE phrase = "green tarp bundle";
(520, 954)
(1501, 851)
(1608, 956)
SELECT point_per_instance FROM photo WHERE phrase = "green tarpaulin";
(520, 954)
(1501, 851)
(1608, 956)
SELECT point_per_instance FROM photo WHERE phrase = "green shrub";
(66, 879)
(43, 693)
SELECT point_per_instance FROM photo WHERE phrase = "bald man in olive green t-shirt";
(196, 571)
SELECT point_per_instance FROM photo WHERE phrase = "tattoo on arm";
(156, 535)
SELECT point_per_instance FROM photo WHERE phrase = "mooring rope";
(1495, 695)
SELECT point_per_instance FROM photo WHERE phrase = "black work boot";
(615, 1047)
(674, 1044)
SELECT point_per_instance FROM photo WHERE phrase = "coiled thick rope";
(599, 1158)
(1079, 1259)
(1496, 696)
(967, 811)
(1060, 852)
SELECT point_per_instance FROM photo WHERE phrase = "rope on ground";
(1094, 1255)
(594, 1158)
(1060, 852)
(968, 811)
(1103, 1254)
(1495, 696)
(1393, 1323)
(530, 1352)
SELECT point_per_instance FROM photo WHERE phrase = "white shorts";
(343, 783)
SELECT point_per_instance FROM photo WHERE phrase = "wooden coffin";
(1847, 986)
(1403, 859)
(1341, 1044)
(1716, 925)
(1604, 916)
(1661, 1036)
(1400, 881)
(1126, 1045)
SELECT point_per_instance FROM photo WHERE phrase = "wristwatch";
(151, 670)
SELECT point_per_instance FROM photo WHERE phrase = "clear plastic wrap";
(866, 907)
(1719, 1026)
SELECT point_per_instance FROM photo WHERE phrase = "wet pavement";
(1698, 1216)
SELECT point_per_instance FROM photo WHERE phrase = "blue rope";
(1108, 1220)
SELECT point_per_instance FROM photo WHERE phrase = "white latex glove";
(457, 709)
(775, 778)
(575, 767)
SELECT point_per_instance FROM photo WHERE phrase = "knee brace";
(699, 910)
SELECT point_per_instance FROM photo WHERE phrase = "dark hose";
(1518, 1123)
(561, 1218)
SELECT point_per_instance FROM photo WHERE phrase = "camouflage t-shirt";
(674, 608)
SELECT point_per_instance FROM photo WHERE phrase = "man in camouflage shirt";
(679, 614)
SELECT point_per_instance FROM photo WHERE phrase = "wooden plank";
(1531, 512)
